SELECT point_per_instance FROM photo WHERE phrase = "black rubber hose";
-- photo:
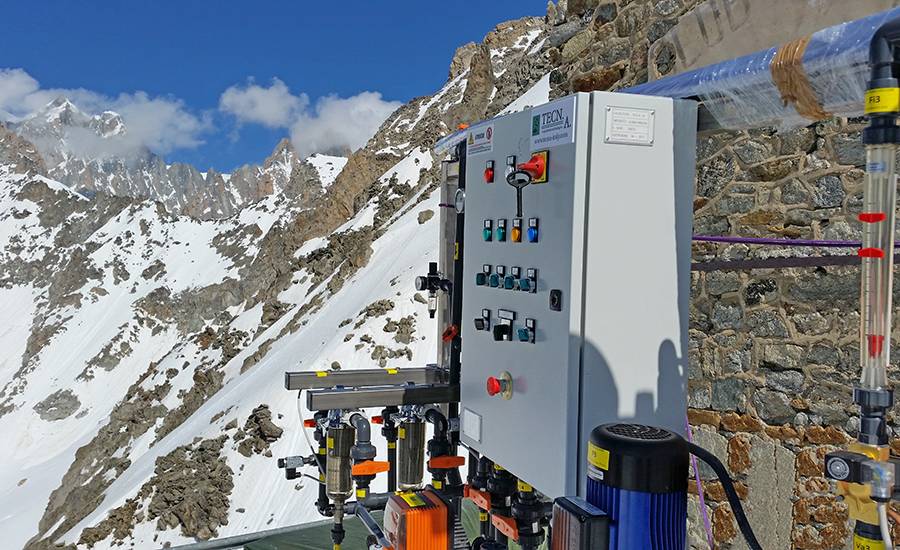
(730, 492)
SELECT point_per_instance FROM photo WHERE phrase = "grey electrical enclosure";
(575, 308)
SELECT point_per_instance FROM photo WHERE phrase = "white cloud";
(161, 124)
(332, 124)
(340, 123)
(274, 107)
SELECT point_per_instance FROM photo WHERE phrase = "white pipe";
(885, 526)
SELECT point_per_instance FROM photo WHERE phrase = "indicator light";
(525, 285)
(489, 172)
(509, 282)
(487, 234)
(516, 235)
(501, 234)
(495, 280)
(524, 335)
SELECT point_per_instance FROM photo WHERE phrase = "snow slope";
(398, 257)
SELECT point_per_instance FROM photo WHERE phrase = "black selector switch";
(503, 332)
(483, 322)
(556, 299)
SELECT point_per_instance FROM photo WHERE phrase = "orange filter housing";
(417, 521)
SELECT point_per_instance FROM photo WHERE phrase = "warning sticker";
(413, 499)
(553, 124)
(480, 140)
(598, 456)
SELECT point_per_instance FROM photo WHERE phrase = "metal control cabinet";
(592, 303)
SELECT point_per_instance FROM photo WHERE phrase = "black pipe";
(456, 302)
(883, 53)
(323, 504)
(733, 499)
(389, 431)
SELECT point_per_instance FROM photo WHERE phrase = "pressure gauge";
(459, 201)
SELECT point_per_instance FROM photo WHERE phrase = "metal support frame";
(380, 396)
(319, 380)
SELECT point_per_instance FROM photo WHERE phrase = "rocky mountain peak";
(87, 153)
(62, 111)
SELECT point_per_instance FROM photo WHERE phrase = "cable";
(733, 498)
(885, 526)
(706, 523)
(313, 450)
(314, 478)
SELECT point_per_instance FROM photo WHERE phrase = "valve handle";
(446, 462)
(536, 166)
(370, 468)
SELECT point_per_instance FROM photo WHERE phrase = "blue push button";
(487, 234)
(495, 280)
(532, 234)
(524, 334)
(501, 234)
(525, 285)
(509, 282)
(480, 279)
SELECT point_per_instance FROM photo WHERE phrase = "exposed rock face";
(58, 405)
(259, 431)
(191, 486)
(19, 154)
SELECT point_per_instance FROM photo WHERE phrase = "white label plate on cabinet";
(629, 126)
(471, 425)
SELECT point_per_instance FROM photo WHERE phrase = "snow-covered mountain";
(141, 390)
(95, 154)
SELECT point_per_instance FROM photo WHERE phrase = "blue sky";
(185, 54)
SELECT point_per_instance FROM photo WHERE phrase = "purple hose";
(778, 242)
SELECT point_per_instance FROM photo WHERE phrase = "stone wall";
(774, 352)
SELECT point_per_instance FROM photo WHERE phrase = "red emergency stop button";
(501, 385)
(536, 167)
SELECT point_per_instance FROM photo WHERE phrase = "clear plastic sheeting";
(741, 93)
